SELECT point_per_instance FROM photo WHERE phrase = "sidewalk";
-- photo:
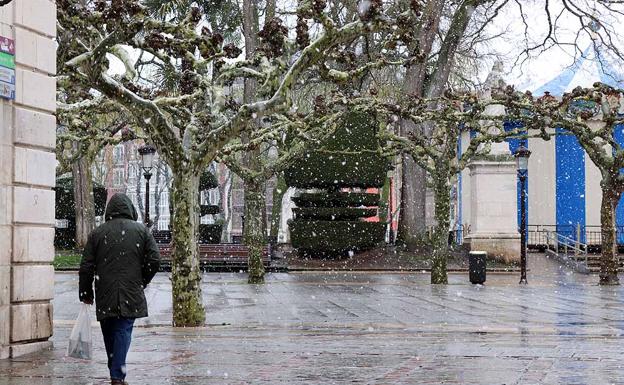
(361, 328)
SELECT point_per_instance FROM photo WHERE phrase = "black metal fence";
(590, 235)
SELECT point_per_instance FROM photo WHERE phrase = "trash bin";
(477, 267)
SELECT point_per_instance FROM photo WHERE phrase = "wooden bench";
(218, 255)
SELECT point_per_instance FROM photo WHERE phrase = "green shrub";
(327, 222)
(209, 210)
(65, 209)
(335, 236)
(333, 213)
(208, 181)
(323, 170)
(347, 159)
(336, 199)
(65, 205)
(210, 233)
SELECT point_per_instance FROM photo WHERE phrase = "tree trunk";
(412, 206)
(84, 202)
(412, 213)
(188, 309)
(446, 56)
(609, 259)
(440, 236)
(276, 212)
(254, 234)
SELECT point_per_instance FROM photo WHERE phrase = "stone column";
(494, 212)
(493, 196)
(27, 176)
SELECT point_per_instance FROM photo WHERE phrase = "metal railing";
(561, 243)
(590, 235)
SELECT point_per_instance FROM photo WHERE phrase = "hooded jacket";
(122, 257)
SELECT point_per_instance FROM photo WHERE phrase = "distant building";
(118, 168)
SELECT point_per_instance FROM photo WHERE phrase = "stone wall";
(27, 174)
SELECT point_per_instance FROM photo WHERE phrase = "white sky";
(538, 71)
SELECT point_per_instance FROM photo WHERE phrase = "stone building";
(118, 168)
(27, 176)
(563, 184)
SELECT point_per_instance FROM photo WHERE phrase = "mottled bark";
(446, 56)
(270, 9)
(83, 198)
(254, 235)
(412, 212)
(609, 259)
(440, 235)
(413, 178)
(188, 309)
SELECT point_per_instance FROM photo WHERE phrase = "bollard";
(477, 266)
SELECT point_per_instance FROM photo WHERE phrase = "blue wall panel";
(618, 135)
(570, 185)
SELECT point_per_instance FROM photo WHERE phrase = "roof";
(592, 66)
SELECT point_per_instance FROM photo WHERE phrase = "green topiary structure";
(330, 222)
(209, 233)
(65, 238)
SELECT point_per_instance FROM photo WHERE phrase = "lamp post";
(522, 164)
(147, 158)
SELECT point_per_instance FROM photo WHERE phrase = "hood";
(120, 206)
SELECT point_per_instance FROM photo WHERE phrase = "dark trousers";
(117, 333)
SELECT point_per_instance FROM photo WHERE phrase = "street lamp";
(147, 159)
(522, 164)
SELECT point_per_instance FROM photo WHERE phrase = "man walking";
(122, 256)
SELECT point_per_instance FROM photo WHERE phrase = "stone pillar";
(27, 176)
(494, 212)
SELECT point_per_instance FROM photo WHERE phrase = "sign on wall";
(7, 68)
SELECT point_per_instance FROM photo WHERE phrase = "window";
(62, 223)
(164, 202)
(118, 177)
(118, 154)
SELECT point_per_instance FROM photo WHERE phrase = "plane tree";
(190, 123)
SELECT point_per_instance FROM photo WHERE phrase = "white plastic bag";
(80, 342)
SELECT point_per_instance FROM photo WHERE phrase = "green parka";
(122, 256)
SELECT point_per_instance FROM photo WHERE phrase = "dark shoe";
(118, 382)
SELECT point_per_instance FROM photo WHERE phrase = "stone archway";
(27, 175)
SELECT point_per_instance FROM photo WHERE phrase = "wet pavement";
(360, 328)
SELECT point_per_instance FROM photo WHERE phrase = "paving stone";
(355, 328)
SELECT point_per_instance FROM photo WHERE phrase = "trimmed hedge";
(209, 210)
(311, 236)
(65, 204)
(210, 233)
(336, 199)
(349, 158)
(327, 223)
(65, 209)
(358, 132)
(333, 213)
(322, 170)
(208, 181)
